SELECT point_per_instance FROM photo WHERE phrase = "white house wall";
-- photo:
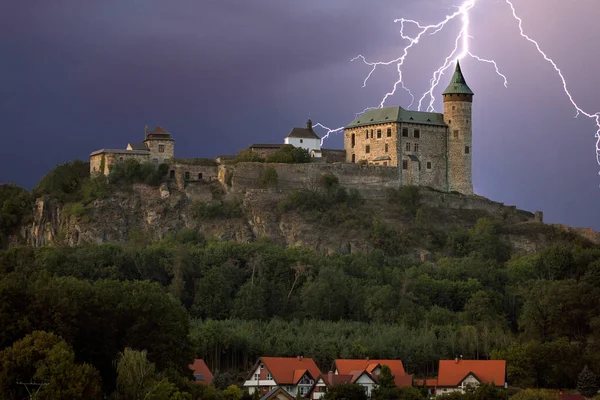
(308, 144)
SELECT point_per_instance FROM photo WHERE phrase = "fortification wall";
(370, 181)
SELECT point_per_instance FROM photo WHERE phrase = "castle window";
(367, 149)
(353, 140)
(407, 147)
(389, 132)
(172, 174)
(187, 175)
(404, 164)
(161, 148)
(416, 147)
(417, 133)
(385, 163)
(456, 133)
(449, 121)
(353, 158)
(371, 133)
(199, 175)
(467, 121)
(453, 108)
(405, 132)
(378, 133)
(367, 132)
(428, 164)
(386, 147)
(467, 149)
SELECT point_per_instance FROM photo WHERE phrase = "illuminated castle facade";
(431, 149)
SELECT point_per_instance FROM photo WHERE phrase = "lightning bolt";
(461, 50)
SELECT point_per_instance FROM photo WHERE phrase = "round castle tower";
(458, 99)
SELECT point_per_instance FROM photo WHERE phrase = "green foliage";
(483, 240)
(77, 210)
(587, 383)
(205, 162)
(290, 155)
(16, 209)
(45, 357)
(345, 391)
(268, 176)
(220, 209)
(132, 171)
(329, 181)
(232, 393)
(536, 394)
(406, 200)
(248, 156)
(64, 182)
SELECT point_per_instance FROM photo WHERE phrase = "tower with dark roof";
(160, 144)
(458, 101)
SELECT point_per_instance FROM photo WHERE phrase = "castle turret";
(458, 101)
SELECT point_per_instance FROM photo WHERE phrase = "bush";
(248, 156)
(131, 171)
(407, 199)
(268, 176)
(16, 209)
(230, 209)
(64, 182)
(205, 162)
(329, 181)
(289, 154)
(77, 210)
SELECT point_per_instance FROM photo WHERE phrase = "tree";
(137, 378)
(232, 393)
(385, 379)
(587, 384)
(42, 356)
(345, 391)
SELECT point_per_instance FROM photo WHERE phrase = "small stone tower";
(458, 99)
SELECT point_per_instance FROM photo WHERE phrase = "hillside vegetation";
(189, 295)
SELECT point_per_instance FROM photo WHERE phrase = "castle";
(432, 149)
(428, 149)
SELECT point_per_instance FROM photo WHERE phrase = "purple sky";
(221, 74)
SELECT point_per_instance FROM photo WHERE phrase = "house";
(458, 374)
(202, 374)
(295, 375)
(373, 367)
(305, 138)
(277, 394)
(324, 382)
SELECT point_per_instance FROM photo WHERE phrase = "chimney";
(146, 132)
(330, 377)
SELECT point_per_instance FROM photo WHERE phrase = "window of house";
(378, 133)
(467, 149)
(256, 377)
(428, 164)
(407, 147)
(389, 132)
(353, 139)
(353, 158)
(405, 132)
(269, 376)
(417, 133)
(161, 148)
(187, 174)
(301, 140)
(262, 366)
(456, 133)
(404, 164)
(199, 175)
(416, 147)
(367, 149)
(386, 147)
(172, 174)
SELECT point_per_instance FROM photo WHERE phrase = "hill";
(332, 261)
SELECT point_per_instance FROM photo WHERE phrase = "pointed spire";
(458, 85)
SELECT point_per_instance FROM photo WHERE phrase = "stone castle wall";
(113, 158)
(155, 154)
(371, 142)
(458, 114)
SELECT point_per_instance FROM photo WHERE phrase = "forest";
(93, 310)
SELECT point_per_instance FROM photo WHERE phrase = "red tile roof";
(451, 373)
(346, 367)
(337, 379)
(284, 370)
(429, 382)
(201, 372)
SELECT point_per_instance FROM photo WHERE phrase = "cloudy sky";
(221, 74)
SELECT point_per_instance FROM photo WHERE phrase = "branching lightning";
(461, 50)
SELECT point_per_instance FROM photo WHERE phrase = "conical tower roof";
(458, 85)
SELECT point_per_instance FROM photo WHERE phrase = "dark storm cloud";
(221, 74)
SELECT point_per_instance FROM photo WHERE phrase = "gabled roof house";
(457, 375)
(295, 375)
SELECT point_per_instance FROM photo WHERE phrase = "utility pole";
(33, 385)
